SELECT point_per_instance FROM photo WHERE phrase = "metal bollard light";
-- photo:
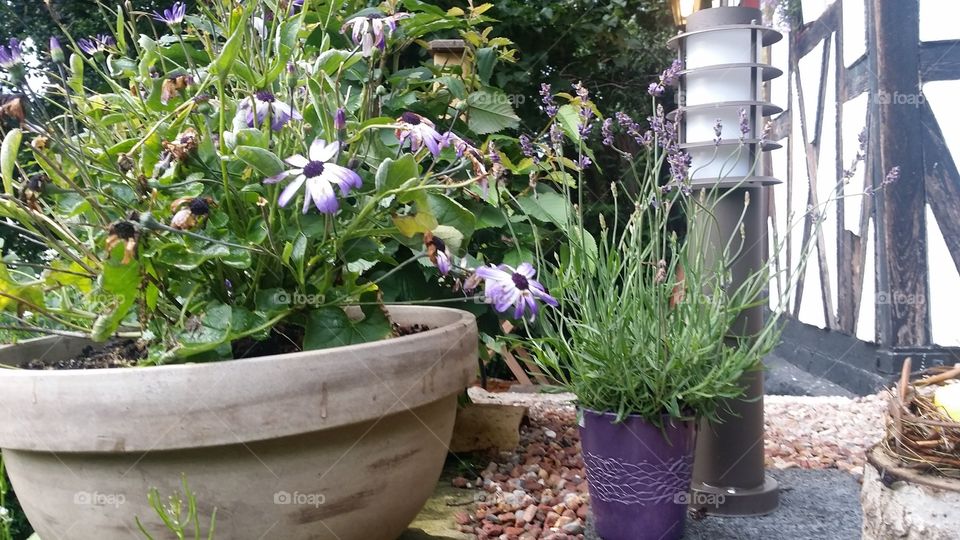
(722, 76)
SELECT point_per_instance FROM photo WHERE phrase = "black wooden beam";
(942, 182)
(940, 60)
(856, 79)
(903, 230)
(813, 33)
(781, 126)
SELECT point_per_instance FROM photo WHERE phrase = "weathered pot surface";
(343, 443)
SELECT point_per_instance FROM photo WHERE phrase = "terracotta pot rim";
(465, 317)
(233, 402)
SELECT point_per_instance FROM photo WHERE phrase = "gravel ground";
(539, 491)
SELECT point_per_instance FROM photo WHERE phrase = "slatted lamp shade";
(722, 76)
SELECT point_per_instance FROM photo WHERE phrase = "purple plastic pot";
(639, 479)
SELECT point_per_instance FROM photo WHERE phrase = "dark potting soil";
(409, 330)
(115, 354)
(122, 353)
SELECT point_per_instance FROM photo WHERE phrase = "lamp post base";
(728, 501)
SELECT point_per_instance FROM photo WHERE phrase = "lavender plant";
(251, 169)
(645, 318)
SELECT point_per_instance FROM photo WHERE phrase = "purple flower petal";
(321, 151)
(297, 161)
(322, 193)
(291, 190)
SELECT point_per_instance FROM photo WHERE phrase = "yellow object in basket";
(947, 398)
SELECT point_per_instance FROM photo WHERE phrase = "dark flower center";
(199, 207)
(520, 281)
(35, 182)
(123, 229)
(314, 168)
(263, 95)
(410, 118)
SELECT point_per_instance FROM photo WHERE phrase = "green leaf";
(8, 157)
(452, 214)
(569, 117)
(490, 217)
(271, 300)
(119, 30)
(212, 331)
(361, 248)
(489, 111)
(264, 161)
(15, 291)
(334, 60)
(486, 59)
(252, 137)
(391, 173)
(288, 38)
(118, 288)
(224, 61)
(547, 207)
(454, 85)
(299, 250)
(514, 257)
(418, 223)
(331, 327)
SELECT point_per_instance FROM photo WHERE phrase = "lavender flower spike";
(671, 74)
(526, 146)
(745, 128)
(549, 104)
(319, 174)
(505, 286)
(607, 131)
(891, 176)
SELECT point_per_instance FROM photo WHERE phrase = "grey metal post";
(729, 476)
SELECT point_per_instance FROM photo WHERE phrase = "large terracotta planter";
(342, 443)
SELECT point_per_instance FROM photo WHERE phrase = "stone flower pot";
(344, 443)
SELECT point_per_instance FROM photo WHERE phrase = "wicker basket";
(919, 435)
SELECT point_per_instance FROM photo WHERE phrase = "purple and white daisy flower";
(98, 44)
(421, 132)
(319, 175)
(505, 286)
(173, 15)
(11, 54)
(263, 103)
(371, 31)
